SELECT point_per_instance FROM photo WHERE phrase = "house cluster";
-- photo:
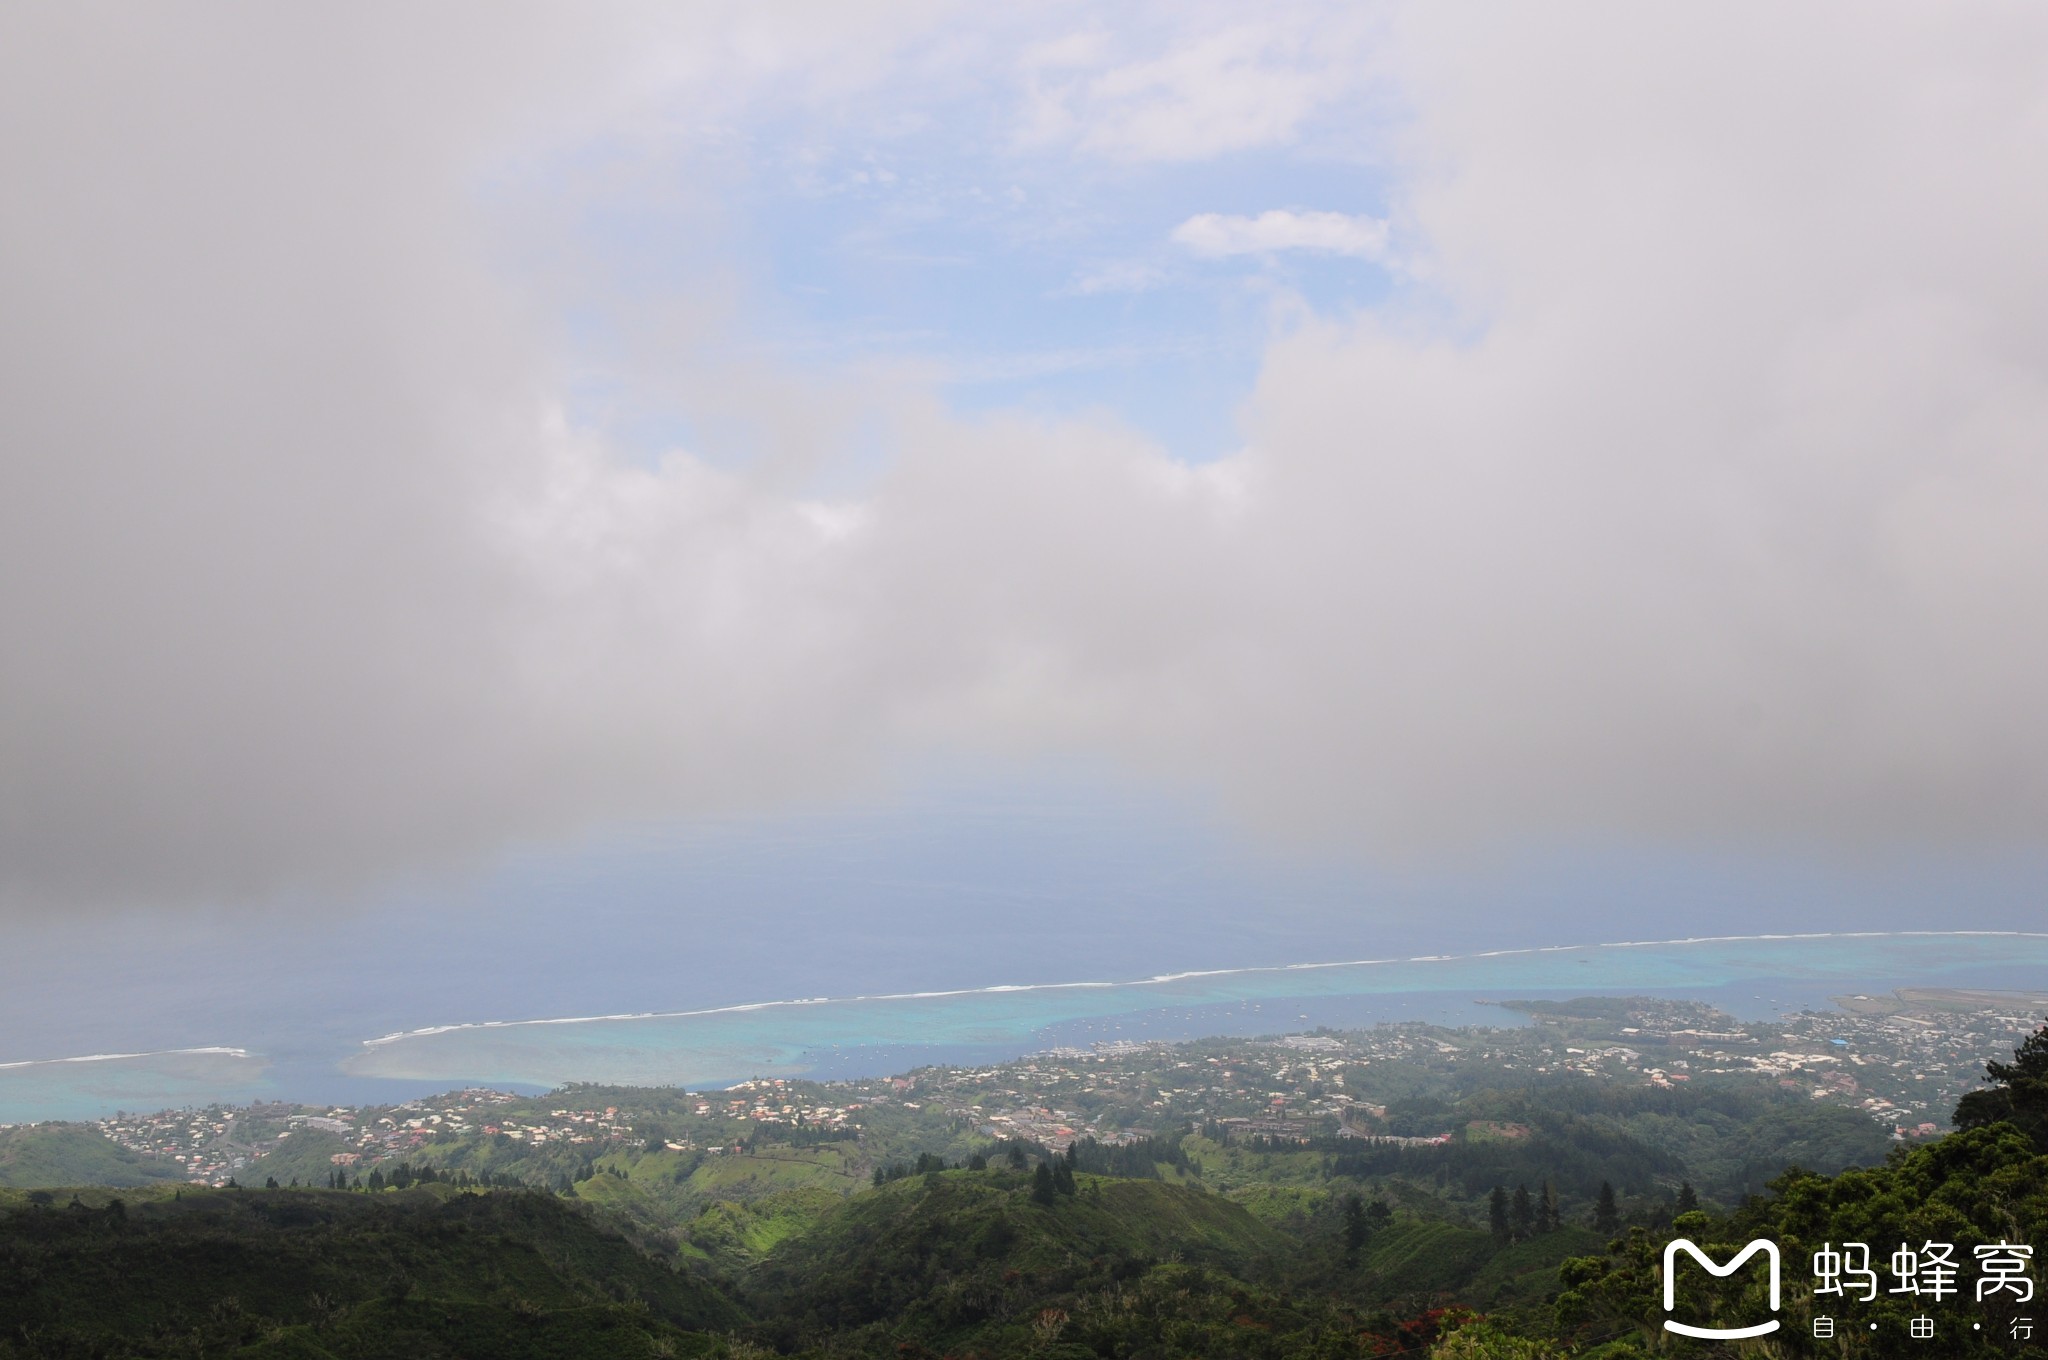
(203, 1144)
(1048, 1127)
(775, 1100)
(1903, 1066)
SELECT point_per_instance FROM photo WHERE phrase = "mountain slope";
(423, 1273)
(45, 1155)
(955, 1249)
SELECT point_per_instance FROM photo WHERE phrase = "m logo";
(1671, 1250)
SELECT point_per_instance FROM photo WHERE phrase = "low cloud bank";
(1695, 494)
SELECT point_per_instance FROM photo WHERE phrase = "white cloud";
(1720, 516)
(1119, 276)
(1214, 235)
(1200, 84)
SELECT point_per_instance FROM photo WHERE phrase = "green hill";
(44, 1155)
(316, 1273)
(953, 1262)
(946, 1254)
(306, 1157)
(1217, 1243)
(728, 1238)
(1978, 1187)
(1524, 1274)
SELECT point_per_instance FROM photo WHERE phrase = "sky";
(1390, 470)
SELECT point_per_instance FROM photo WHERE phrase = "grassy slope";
(728, 1239)
(74, 1154)
(742, 1176)
(1422, 1258)
(1526, 1272)
(1232, 1167)
(1280, 1204)
(730, 1210)
(307, 1156)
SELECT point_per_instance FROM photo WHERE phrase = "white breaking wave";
(1192, 974)
(215, 1051)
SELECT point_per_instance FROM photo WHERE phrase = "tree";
(1482, 1341)
(1606, 1213)
(1546, 1209)
(2018, 1094)
(1063, 1174)
(1497, 1212)
(1688, 1198)
(1523, 1214)
(1985, 1182)
(1042, 1190)
(1015, 1156)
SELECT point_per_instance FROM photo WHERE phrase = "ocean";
(1752, 976)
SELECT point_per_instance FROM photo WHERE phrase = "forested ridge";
(1505, 1243)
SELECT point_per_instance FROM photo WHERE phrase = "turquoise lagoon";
(829, 1036)
(1753, 976)
(98, 1084)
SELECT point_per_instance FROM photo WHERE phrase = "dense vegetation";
(1535, 1231)
(1972, 1188)
(74, 1154)
(309, 1273)
(1986, 1184)
(1725, 1141)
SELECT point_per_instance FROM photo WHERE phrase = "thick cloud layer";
(1695, 492)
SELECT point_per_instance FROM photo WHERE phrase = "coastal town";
(1902, 1059)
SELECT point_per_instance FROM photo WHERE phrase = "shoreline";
(1163, 979)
